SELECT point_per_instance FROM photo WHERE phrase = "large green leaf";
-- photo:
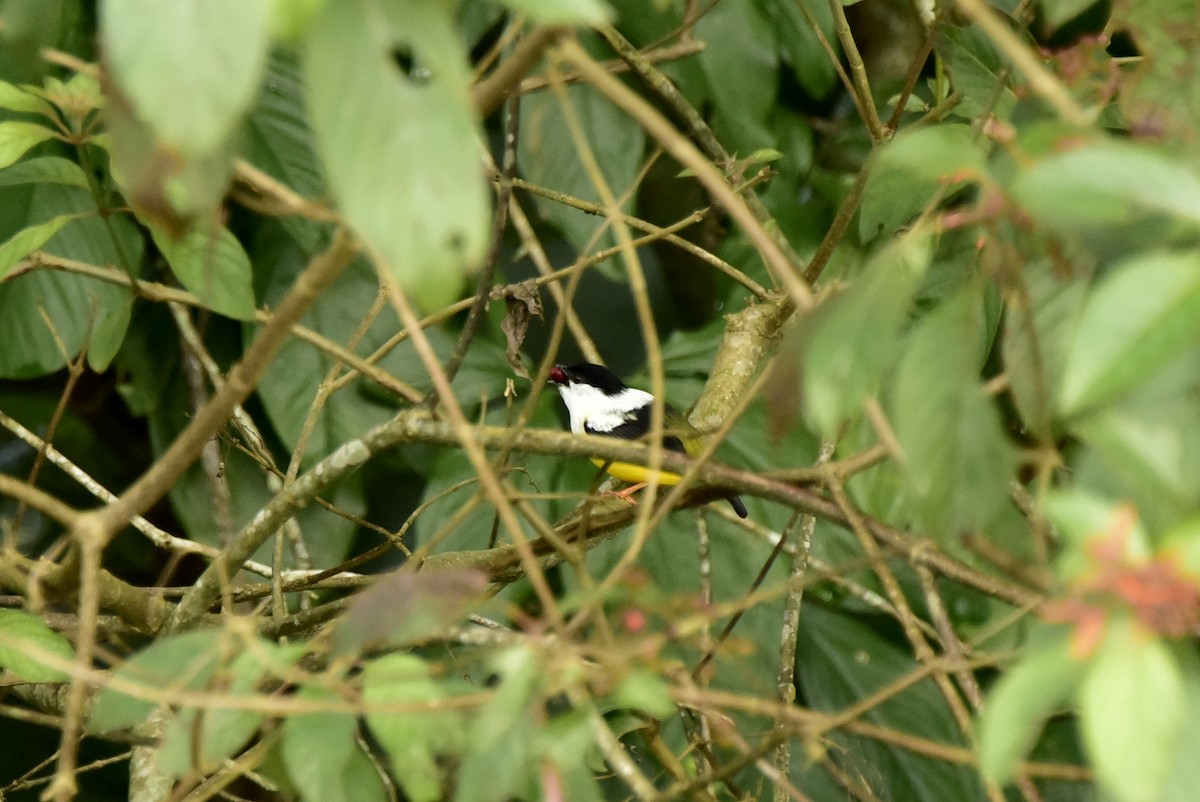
(548, 157)
(277, 140)
(44, 169)
(204, 738)
(400, 149)
(1131, 706)
(1037, 332)
(185, 662)
(28, 240)
(910, 168)
(855, 336)
(741, 64)
(411, 739)
(212, 265)
(83, 312)
(16, 137)
(323, 757)
(24, 638)
(800, 44)
(1108, 182)
(190, 68)
(957, 461)
(840, 660)
(977, 71)
(558, 12)
(1136, 319)
(1018, 706)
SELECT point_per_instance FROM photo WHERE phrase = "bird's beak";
(558, 375)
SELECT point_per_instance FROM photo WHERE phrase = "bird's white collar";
(601, 412)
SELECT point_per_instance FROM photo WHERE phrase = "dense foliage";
(288, 509)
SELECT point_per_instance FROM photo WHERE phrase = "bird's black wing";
(636, 425)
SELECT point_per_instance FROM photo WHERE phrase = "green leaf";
(548, 157)
(977, 71)
(204, 738)
(1059, 11)
(499, 760)
(646, 692)
(278, 141)
(184, 662)
(213, 266)
(1037, 334)
(562, 12)
(16, 98)
(190, 68)
(1083, 519)
(1106, 183)
(320, 749)
(841, 660)
(17, 137)
(28, 240)
(1131, 708)
(909, 169)
(290, 19)
(1149, 451)
(44, 169)
(799, 43)
(1184, 776)
(400, 151)
(1139, 317)
(23, 639)
(855, 335)
(411, 739)
(957, 461)
(741, 65)
(1181, 545)
(1022, 700)
(79, 312)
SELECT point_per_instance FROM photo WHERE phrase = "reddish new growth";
(1164, 601)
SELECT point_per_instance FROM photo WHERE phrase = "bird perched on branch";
(600, 403)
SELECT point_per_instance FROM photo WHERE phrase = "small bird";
(600, 403)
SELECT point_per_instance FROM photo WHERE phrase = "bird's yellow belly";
(629, 472)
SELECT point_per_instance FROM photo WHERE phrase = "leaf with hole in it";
(190, 68)
(910, 169)
(1020, 703)
(25, 644)
(957, 462)
(1139, 317)
(852, 338)
(17, 136)
(400, 147)
(1131, 710)
(213, 266)
(28, 240)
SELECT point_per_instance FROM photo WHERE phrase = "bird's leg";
(625, 494)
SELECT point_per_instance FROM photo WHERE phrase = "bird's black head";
(596, 376)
